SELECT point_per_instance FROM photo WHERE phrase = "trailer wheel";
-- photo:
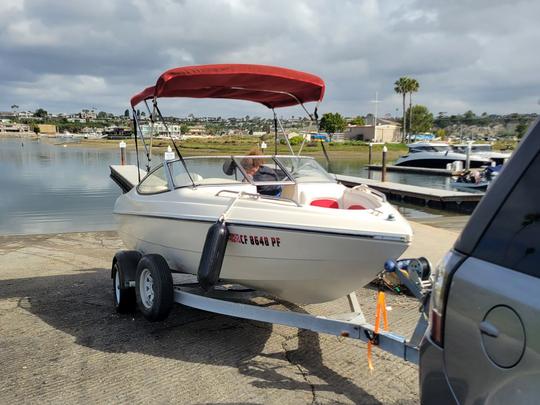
(124, 297)
(154, 287)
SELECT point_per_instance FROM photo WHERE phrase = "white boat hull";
(296, 265)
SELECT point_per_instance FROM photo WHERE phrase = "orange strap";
(380, 310)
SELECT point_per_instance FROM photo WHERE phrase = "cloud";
(64, 56)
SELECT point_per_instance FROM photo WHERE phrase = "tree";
(469, 115)
(441, 133)
(126, 113)
(102, 115)
(358, 121)
(412, 87)
(14, 107)
(41, 113)
(184, 129)
(332, 123)
(401, 87)
(422, 119)
(521, 129)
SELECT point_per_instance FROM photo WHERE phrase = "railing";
(258, 196)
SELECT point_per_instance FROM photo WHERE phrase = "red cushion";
(326, 203)
(356, 207)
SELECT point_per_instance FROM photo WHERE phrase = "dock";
(126, 176)
(415, 170)
(431, 197)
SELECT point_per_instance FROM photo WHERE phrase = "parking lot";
(62, 342)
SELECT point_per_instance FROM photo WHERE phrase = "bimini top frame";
(274, 87)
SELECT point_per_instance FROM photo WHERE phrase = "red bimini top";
(269, 85)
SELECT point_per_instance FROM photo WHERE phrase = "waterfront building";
(387, 133)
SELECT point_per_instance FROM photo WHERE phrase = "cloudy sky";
(476, 54)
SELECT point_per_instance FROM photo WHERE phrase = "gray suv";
(483, 342)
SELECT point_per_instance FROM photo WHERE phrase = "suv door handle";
(487, 328)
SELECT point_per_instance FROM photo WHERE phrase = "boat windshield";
(259, 170)
(305, 169)
(429, 148)
(481, 148)
(474, 148)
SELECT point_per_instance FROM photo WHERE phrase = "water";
(48, 188)
(353, 168)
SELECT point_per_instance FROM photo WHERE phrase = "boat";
(479, 180)
(437, 155)
(484, 150)
(296, 234)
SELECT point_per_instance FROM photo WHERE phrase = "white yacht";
(437, 155)
(484, 150)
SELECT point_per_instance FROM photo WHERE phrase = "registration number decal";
(255, 240)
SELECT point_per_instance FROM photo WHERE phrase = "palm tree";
(401, 87)
(412, 87)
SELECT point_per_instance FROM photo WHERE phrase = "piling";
(468, 159)
(169, 154)
(122, 153)
(383, 170)
(370, 151)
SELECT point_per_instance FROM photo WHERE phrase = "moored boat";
(437, 155)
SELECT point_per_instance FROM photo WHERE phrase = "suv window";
(513, 238)
(155, 182)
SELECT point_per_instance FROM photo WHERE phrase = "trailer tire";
(124, 263)
(154, 287)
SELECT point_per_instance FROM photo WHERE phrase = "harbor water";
(48, 188)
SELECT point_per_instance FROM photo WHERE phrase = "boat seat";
(325, 203)
(356, 207)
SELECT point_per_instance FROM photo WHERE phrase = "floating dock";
(431, 197)
(126, 176)
(417, 170)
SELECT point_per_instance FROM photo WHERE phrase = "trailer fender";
(127, 261)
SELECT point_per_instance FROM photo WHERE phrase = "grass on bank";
(242, 145)
(225, 145)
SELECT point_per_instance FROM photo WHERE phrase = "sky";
(479, 55)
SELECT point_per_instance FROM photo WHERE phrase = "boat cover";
(269, 85)
(143, 95)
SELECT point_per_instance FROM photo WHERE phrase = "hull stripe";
(281, 228)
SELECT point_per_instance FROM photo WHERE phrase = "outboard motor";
(212, 255)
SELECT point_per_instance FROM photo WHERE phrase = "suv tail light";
(439, 292)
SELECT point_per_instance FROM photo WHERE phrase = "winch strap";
(379, 311)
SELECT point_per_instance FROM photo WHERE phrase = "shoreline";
(238, 146)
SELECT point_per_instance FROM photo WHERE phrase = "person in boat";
(255, 168)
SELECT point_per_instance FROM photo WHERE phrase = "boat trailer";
(230, 300)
